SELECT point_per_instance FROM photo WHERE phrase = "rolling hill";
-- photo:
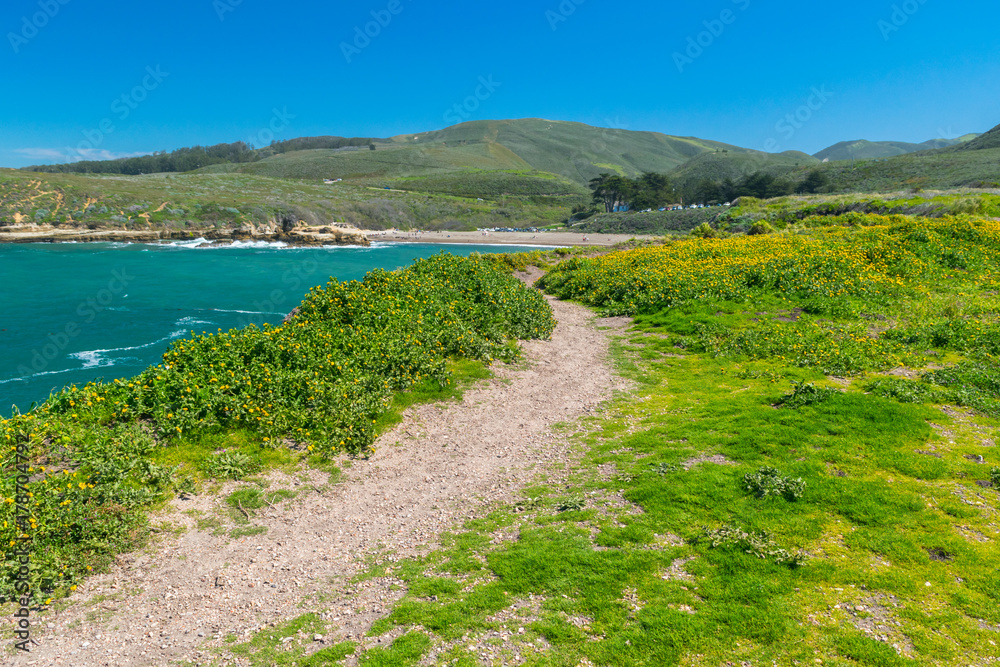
(982, 142)
(575, 151)
(870, 150)
(491, 157)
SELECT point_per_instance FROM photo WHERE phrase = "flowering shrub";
(869, 257)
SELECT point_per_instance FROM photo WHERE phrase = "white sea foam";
(92, 359)
(35, 375)
(189, 321)
(95, 358)
(255, 244)
(187, 244)
(243, 312)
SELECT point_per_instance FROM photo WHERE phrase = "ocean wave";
(96, 358)
(185, 244)
(35, 375)
(186, 321)
(242, 312)
(255, 244)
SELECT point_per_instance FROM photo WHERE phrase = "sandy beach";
(504, 238)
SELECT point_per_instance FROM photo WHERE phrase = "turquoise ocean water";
(73, 313)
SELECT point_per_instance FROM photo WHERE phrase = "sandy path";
(173, 601)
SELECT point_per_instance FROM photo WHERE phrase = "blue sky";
(94, 78)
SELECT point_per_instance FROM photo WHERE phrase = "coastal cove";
(71, 313)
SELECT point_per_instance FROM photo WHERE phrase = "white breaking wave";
(243, 312)
(190, 320)
(186, 244)
(255, 244)
(96, 358)
(35, 375)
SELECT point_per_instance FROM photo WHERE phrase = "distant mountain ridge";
(862, 149)
(534, 157)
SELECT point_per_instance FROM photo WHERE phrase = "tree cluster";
(196, 157)
(183, 159)
(651, 190)
(312, 143)
(760, 184)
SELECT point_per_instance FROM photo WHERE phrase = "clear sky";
(96, 78)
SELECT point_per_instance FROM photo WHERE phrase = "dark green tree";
(815, 181)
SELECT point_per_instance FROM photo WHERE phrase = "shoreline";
(558, 239)
(356, 238)
(299, 237)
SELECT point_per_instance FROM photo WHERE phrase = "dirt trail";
(175, 601)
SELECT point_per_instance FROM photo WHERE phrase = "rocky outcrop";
(298, 236)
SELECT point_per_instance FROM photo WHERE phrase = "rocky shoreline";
(298, 236)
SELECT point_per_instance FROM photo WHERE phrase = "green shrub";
(905, 391)
(755, 543)
(806, 393)
(230, 465)
(769, 483)
(571, 505)
(704, 231)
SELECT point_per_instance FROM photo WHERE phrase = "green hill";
(870, 150)
(941, 169)
(490, 158)
(575, 151)
(983, 142)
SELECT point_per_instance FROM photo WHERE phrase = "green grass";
(267, 648)
(869, 535)
(763, 514)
